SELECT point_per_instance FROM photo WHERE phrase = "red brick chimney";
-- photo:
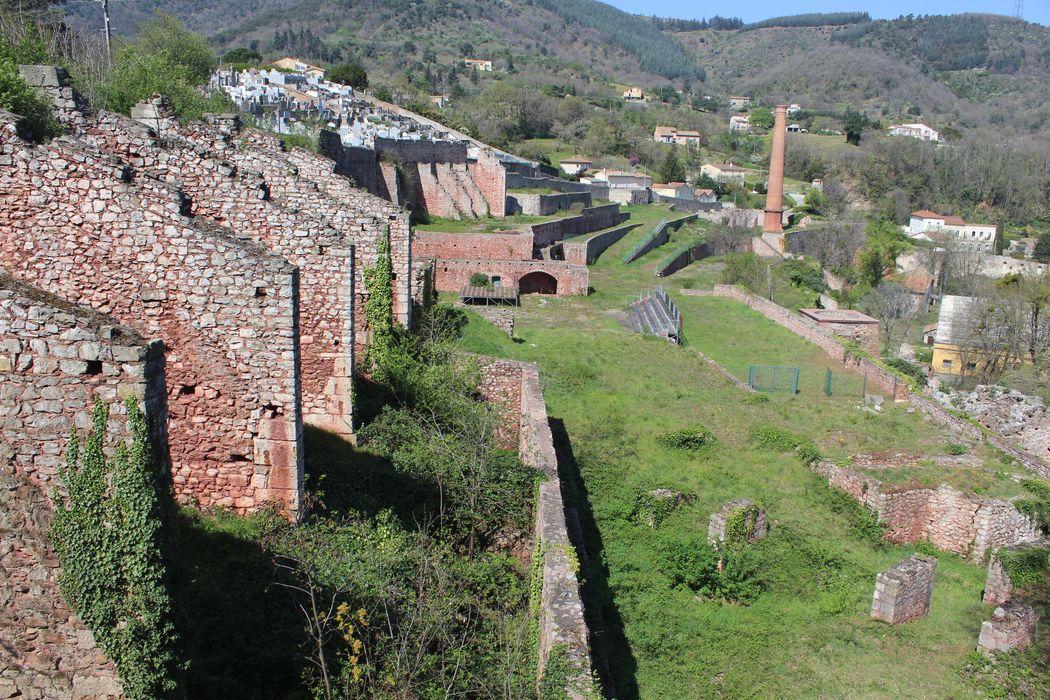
(775, 193)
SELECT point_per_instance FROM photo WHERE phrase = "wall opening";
(538, 283)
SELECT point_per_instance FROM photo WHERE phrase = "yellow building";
(954, 353)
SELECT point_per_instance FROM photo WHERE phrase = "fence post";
(751, 377)
(794, 383)
(827, 384)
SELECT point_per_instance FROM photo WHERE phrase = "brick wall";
(451, 275)
(588, 251)
(56, 358)
(474, 246)
(956, 522)
(80, 224)
(533, 204)
(589, 221)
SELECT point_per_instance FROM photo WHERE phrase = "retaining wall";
(452, 274)
(590, 220)
(511, 245)
(965, 524)
(699, 252)
(588, 251)
(561, 614)
(533, 204)
(658, 237)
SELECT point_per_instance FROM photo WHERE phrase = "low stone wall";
(701, 251)
(518, 181)
(690, 205)
(562, 621)
(880, 378)
(533, 204)
(591, 220)
(499, 316)
(451, 275)
(964, 524)
(588, 251)
(903, 593)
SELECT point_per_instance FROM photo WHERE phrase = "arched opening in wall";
(538, 283)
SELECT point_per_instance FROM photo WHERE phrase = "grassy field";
(610, 393)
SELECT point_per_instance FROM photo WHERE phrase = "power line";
(1019, 9)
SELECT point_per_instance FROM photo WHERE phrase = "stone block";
(1013, 626)
(903, 593)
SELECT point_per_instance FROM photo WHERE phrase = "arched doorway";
(538, 283)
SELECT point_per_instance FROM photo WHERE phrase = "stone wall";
(1012, 627)
(501, 317)
(47, 652)
(533, 204)
(561, 613)
(754, 525)
(83, 225)
(658, 237)
(903, 593)
(998, 587)
(965, 524)
(880, 378)
(1024, 419)
(588, 251)
(589, 221)
(56, 359)
(511, 245)
(702, 251)
(451, 275)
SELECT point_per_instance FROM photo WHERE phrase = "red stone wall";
(452, 275)
(82, 225)
(501, 385)
(490, 177)
(472, 246)
(866, 335)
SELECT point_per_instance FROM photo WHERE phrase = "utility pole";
(106, 29)
(1019, 9)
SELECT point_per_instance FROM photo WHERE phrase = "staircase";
(653, 313)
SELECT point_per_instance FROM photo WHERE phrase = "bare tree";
(894, 306)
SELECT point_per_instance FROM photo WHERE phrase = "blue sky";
(753, 10)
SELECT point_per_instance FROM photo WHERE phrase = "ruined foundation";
(903, 593)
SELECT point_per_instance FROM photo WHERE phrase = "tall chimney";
(775, 193)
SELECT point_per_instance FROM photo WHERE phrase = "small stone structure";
(755, 526)
(1013, 626)
(849, 324)
(967, 525)
(903, 593)
(1024, 419)
(998, 586)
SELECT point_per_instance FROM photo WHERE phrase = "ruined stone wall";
(56, 359)
(47, 652)
(589, 221)
(956, 522)
(588, 251)
(82, 225)
(878, 377)
(513, 245)
(903, 592)
(866, 335)
(1013, 626)
(450, 275)
(1024, 419)
(561, 612)
(533, 204)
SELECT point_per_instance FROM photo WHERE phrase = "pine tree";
(672, 169)
(1042, 248)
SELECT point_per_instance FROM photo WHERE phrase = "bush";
(691, 439)
(954, 448)
(349, 74)
(1038, 506)
(17, 97)
(480, 279)
(909, 369)
(770, 437)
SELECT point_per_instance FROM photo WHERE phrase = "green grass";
(610, 392)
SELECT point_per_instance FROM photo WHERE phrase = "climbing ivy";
(379, 314)
(1026, 566)
(107, 534)
(739, 523)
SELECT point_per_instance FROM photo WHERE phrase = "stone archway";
(538, 283)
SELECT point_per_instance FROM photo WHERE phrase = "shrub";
(651, 508)
(1038, 505)
(686, 439)
(954, 448)
(689, 562)
(1025, 566)
(775, 439)
(480, 279)
(909, 369)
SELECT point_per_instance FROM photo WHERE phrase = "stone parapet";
(903, 593)
(1012, 627)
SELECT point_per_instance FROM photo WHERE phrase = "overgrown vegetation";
(812, 19)
(107, 534)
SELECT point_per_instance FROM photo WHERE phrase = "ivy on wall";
(379, 313)
(107, 534)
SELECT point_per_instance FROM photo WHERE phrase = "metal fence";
(771, 378)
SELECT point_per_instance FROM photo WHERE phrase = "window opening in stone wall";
(187, 389)
(94, 367)
(260, 292)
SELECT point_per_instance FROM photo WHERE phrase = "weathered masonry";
(903, 593)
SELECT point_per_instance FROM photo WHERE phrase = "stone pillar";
(903, 593)
(997, 586)
(775, 194)
(755, 527)
(1012, 626)
(70, 107)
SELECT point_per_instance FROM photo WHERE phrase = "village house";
(793, 109)
(678, 137)
(618, 179)
(294, 64)
(575, 166)
(440, 101)
(675, 190)
(970, 236)
(796, 129)
(929, 333)
(724, 173)
(915, 131)
(705, 196)
(479, 64)
(739, 103)
(633, 94)
(740, 124)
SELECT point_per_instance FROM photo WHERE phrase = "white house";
(969, 236)
(739, 103)
(793, 109)
(705, 196)
(724, 173)
(634, 94)
(677, 190)
(740, 124)
(480, 64)
(575, 166)
(678, 137)
(915, 131)
(617, 179)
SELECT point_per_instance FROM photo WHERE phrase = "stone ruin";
(755, 526)
(903, 593)
(1013, 626)
(1023, 419)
